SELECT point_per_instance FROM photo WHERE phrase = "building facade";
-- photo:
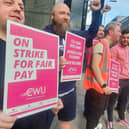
(123, 20)
(37, 12)
(125, 23)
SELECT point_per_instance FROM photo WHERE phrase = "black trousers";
(95, 104)
(123, 98)
(40, 120)
(112, 100)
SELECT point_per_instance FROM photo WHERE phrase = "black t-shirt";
(2, 69)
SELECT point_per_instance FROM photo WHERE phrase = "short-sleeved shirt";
(98, 48)
(121, 54)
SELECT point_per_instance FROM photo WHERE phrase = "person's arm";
(59, 106)
(62, 62)
(97, 14)
(106, 8)
(6, 122)
(96, 59)
(96, 21)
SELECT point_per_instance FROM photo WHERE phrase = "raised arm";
(97, 13)
(96, 21)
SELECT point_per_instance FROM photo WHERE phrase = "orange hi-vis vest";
(89, 52)
(89, 79)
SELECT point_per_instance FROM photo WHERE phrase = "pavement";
(80, 122)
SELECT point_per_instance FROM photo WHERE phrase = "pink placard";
(114, 75)
(31, 71)
(74, 52)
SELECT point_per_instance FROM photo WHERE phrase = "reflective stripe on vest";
(89, 79)
(88, 55)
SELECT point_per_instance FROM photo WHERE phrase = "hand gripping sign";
(31, 70)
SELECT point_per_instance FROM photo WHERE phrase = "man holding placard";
(97, 76)
(60, 24)
(13, 10)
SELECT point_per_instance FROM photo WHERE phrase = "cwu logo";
(35, 92)
(72, 70)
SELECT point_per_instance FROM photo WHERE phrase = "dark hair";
(125, 31)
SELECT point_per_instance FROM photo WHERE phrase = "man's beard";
(124, 44)
(60, 29)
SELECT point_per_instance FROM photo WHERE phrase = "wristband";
(104, 85)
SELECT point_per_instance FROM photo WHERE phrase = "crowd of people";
(99, 96)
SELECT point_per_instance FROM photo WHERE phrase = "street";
(80, 122)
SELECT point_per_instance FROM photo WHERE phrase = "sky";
(119, 8)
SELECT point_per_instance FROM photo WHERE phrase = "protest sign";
(31, 70)
(74, 52)
(113, 82)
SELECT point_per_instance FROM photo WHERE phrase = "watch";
(104, 85)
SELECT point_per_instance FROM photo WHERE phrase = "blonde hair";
(110, 26)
